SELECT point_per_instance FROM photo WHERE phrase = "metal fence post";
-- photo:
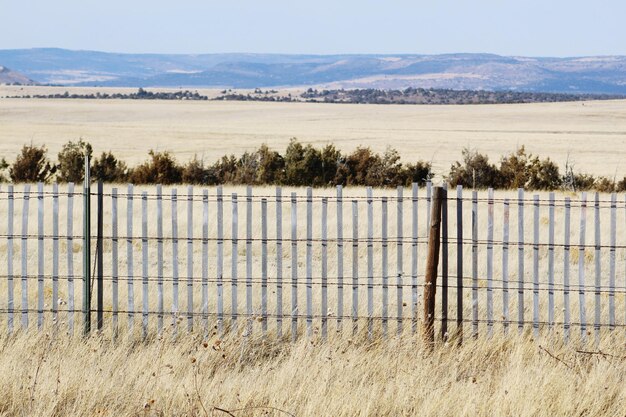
(86, 249)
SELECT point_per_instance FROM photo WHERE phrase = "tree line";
(302, 165)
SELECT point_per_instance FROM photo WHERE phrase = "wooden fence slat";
(25, 216)
(249, 260)
(144, 265)
(355, 266)
(370, 263)
(475, 263)
(444, 263)
(114, 264)
(324, 306)
(566, 270)
(175, 275)
(414, 248)
(189, 258)
(220, 261)
(309, 261)
(55, 254)
(581, 267)
(505, 265)
(551, 261)
(279, 262)
(205, 262)
(598, 266)
(612, 243)
(520, 259)
(459, 262)
(385, 271)
(129, 257)
(160, 307)
(399, 266)
(264, 266)
(234, 261)
(70, 258)
(294, 267)
(40, 255)
(339, 255)
(490, 262)
(10, 283)
(536, 265)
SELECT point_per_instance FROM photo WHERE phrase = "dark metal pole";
(99, 260)
(87, 249)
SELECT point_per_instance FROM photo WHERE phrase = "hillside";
(605, 74)
(8, 76)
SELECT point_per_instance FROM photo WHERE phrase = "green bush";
(108, 168)
(32, 165)
(71, 161)
(161, 168)
(474, 172)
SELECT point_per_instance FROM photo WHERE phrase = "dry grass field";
(44, 375)
(591, 134)
(49, 373)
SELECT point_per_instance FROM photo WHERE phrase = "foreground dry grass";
(344, 377)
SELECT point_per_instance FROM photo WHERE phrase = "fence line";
(325, 278)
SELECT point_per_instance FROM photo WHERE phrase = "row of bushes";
(302, 165)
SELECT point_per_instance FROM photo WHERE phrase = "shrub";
(108, 168)
(543, 175)
(271, 166)
(419, 172)
(71, 166)
(246, 169)
(475, 172)
(31, 165)
(604, 185)
(583, 182)
(225, 169)
(294, 163)
(160, 169)
(3, 167)
(361, 167)
(620, 186)
(196, 173)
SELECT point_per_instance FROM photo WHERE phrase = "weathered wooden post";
(432, 263)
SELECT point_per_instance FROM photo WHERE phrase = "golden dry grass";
(56, 376)
(591, 134)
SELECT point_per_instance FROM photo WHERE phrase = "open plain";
(590, 135)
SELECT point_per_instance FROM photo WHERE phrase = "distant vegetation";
(358, 96)
(141, 94)
(441, 96)
(303, 165)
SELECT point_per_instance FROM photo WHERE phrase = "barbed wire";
(345, 242)
(286, 198)
(227, 315)
(336, 281)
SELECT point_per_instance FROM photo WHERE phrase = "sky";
(507, 27)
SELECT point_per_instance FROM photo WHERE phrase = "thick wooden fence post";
(432, 262)
(87, 250)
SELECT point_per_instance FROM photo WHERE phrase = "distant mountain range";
(602, 74)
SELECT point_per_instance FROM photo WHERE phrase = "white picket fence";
(298, 260)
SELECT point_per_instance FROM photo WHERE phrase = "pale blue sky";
(520, 27)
